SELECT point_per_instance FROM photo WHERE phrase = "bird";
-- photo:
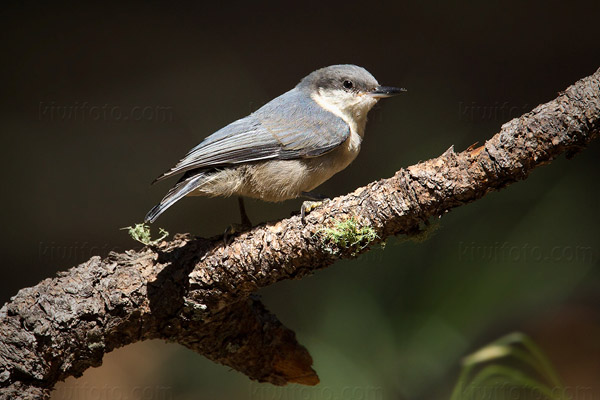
(286, 148)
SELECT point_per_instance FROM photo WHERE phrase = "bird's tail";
(186, 185)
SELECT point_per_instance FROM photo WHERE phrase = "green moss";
(141, 233)
(347, 235)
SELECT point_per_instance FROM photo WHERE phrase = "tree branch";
(197, 292)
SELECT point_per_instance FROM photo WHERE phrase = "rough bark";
(198, 292)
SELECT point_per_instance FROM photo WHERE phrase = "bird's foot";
(234, 229)
(314, 196)
(308, 206)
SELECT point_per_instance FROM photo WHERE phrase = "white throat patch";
(349, 107)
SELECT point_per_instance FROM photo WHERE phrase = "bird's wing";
(290, 126)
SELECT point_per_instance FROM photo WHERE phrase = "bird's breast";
(278, 180)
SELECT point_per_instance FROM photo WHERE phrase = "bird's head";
(348, 91)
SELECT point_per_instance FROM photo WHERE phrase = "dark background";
(99, 99)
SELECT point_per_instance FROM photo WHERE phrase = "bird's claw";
(314, 196)
(232, 230)
(308, 206)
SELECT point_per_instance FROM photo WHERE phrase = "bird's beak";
(381, 92)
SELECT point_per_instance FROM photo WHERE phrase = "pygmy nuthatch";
(286, 148)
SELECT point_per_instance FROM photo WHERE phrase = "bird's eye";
(348, 84)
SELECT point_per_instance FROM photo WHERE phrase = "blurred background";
(100, 98)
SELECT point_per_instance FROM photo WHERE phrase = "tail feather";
(182, 188)
(161, 177)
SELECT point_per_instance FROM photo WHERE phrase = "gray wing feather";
(290, 126)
